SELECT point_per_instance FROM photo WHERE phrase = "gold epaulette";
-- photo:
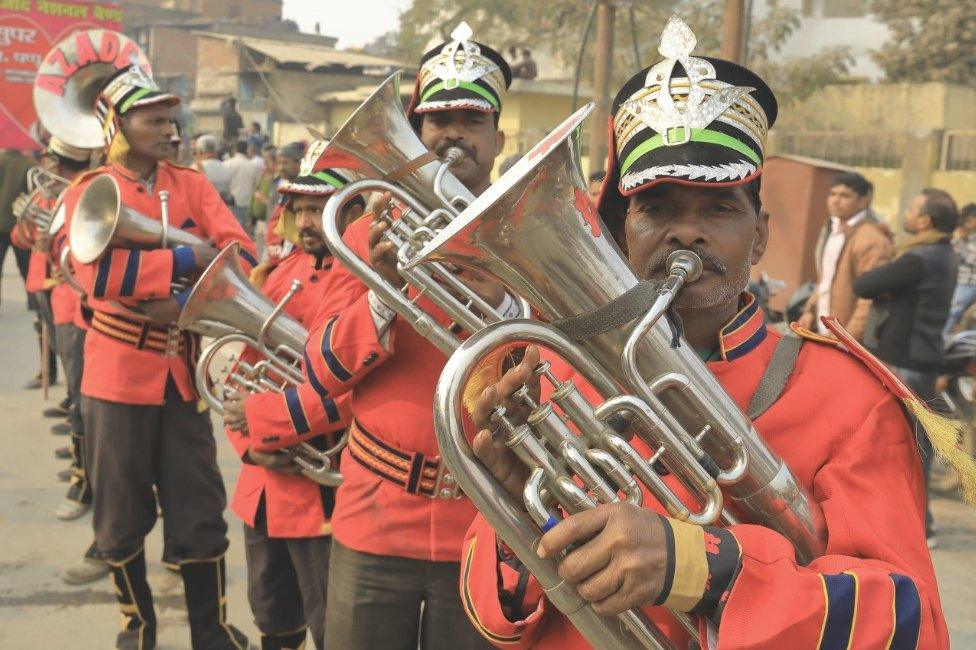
(809, 335)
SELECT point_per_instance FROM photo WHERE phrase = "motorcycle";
(955, 387)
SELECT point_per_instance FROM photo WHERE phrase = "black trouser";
(45, 315)
(923, 383)
(131, 449)
(377, 601)
(287, 579)
(71, 349)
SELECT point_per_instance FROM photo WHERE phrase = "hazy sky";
(355, 22)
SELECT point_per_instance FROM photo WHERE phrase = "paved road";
(38, 611)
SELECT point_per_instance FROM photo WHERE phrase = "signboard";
(28, 29)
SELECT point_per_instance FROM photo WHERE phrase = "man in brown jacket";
(852, 243)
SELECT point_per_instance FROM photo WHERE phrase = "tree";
(931, 40)
(557, 26)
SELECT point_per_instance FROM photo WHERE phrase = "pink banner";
(28, 29)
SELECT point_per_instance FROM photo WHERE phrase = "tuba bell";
(101, 221)
(537, 231)
(224, 304)
(71, 76)
(380, 149)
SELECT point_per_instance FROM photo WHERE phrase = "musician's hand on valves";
(165, 311)
(382, 252)
(234, 416)
(282, 461)
(618, 559)
(491, 449)
(492, 291)
(42, 243)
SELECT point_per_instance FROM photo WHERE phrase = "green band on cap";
(467, 85)
(697, 135)
(133, 98)
(328, 178)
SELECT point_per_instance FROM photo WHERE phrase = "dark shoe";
(292, 641)
(204, 583)
(135, 601)
(86, 572)
(65, 475)
(61, 429)
(62, 410)
(63, 453)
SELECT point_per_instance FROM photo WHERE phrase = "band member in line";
(686, 157)
(286, 515)
(398, 523)
(140, 406)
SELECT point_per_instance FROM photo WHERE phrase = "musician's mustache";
(310, 232)
(710, 262)
(468, 150)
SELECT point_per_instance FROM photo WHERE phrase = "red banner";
(28, 29)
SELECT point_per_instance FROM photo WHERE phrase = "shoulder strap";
(777, 373)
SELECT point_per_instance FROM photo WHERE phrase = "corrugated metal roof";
(311, 56)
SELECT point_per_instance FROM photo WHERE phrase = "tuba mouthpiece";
(453, 155)
(687, 263)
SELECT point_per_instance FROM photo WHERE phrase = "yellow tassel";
(259, 274)
(118, 151)
(944, 435)
(285, 228)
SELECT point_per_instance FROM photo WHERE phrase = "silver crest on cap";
(448, 68)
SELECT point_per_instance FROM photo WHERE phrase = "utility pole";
(733, 29)
(606, 13)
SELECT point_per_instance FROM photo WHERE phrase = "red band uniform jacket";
(391, 396)
(121, 372)
(295, 506)
(849, 443)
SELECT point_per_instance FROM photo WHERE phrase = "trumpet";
(537, 232)
(379, 147)
(223, 304)
(43, 187)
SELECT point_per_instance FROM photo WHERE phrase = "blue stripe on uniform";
(841, 592)
(335, 366)
(247, 257)
(296, 412)
(908, 613)
(131, 274)
(101, 278)
(312, 378)
(331, 410)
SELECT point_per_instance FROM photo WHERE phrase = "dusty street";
(38, 611)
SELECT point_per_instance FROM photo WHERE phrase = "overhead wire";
(582, 51)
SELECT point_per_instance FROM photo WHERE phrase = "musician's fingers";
(584, 562)
(580, 527)
(501, 462)
(376, 230)
(600, 586)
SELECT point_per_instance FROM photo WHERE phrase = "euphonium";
(537, 231)
(224, 304)
(42, 186)
(378, 145)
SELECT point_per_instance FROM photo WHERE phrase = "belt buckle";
(446, 486)
(173, 337)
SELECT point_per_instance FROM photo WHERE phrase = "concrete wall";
(173, 52)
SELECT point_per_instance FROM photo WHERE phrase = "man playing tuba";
(286, 515)
(398, 522)
(687, 146)
(140, 405)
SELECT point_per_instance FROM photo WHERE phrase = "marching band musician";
(286, 515)
(398, 522)
(140, 406)
(687, 138)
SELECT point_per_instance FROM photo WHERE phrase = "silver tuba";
(537, 232)
(379, 147)
(70, 77)
(225, 305)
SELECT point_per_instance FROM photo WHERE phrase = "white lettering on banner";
(32, 58)
(10, 34)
